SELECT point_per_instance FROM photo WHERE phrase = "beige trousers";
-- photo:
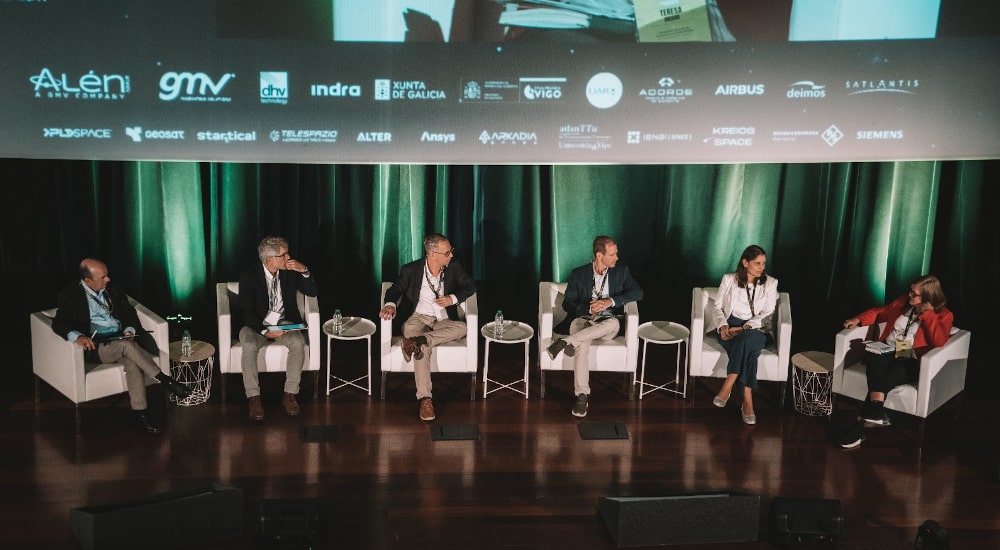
(437, 333)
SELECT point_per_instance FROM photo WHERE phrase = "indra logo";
(89, 86)
(274, 88)
(187, 86)
(604, 90)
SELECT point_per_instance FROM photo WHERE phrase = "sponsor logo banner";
(806, 89)
(583, 136)
(303, 136)
(490, 90)
(137, 134)
(408, 90)
(200, 87)
(335, 89)
(879, 135)
(737, 90)
(604, 90)
(77, 133)
(439, 137)
(731, 136)
(374, 137)
(666, 91)
(90, 86)
(885, 86)
(635, 137)
(226, 136)
(503, 137)
(537, 89)
(274, 88)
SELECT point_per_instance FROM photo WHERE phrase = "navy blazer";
(405, 292)
(622, 288)
(253, 295)
(74, 314)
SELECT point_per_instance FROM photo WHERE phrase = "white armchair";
(942, 374)
(273, 358)
(461, 356)
(60, 363)
(620, 354)
(709, 358)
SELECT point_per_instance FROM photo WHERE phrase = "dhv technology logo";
(274, 88)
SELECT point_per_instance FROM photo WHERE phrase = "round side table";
(513, 333)
(812, 380)
(665, 333)
(194, 371)
(352, 328)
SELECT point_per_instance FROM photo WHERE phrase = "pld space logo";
(274, 88)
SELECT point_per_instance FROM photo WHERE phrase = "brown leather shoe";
(256, 409)
(291, 405)
(409, 346)
(427, 409)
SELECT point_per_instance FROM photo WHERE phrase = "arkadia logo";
(604, 90)
(538, 89)
(667, 90)
(187, 86)
(508, 138)
(136, 133)
(335, 90)
(77, 133)
(274, 88)
(890, 86)
(806, 89)
(739, 89)
(106, 87)
(388, 90)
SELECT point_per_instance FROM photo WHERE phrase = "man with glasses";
(98, 317)
(267, 298)
(427, 293)
(596, 294)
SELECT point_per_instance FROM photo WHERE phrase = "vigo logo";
(193, 86)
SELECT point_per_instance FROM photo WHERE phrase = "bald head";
(94, 274)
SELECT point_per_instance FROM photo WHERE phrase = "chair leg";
(541, 385)
(79, 429)
(38, 390)
(630, 385)
(316, 386)
(222, 385)
(781, 402)
(383, 385)
(472, 393)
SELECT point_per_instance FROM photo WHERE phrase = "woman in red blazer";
(914, 324)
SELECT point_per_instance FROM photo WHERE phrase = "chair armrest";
(842, 345)
(546, 322)
(472, 331)
(697, 329)
(632, 335)
(225, 318)
(783, 332)
(946, 382)
(310, 314)
(160, 332)
(55, 360)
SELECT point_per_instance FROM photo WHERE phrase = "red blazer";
(934, 329)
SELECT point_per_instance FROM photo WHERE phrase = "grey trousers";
(581, 334)
(137, 364)
(253, 342)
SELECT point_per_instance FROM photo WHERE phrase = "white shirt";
(426, 305)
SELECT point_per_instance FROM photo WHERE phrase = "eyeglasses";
(448, 253)
(285, 255)
(915, 294)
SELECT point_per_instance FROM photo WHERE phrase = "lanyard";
(104, 303)
(427, 275)
(910, 318)
(750, 298)
(597, 293)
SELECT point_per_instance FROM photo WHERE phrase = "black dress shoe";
(173, 386)
(147, 423)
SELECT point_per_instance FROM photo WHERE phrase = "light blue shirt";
(102, 322)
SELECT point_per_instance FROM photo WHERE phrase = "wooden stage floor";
(528, 482)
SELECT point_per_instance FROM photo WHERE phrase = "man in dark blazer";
(99, 318)
(427, 294)
(268, 299)
(596, 294)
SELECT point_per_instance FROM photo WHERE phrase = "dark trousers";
(743, 352)
(886, 371)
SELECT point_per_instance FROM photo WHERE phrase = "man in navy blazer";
(268, 299)
(427, 294)
(96, 316)
(596, 294)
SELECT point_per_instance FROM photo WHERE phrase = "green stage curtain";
(840, 237)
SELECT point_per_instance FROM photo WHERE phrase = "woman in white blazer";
(744, 306)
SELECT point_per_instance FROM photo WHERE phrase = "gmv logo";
(172, 84)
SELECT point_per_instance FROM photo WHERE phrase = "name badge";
(904, 349)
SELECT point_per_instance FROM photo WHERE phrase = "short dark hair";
(601, 243)
(431, 240)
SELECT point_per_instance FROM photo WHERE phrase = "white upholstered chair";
(273, 358)
(60, 363)
(620, 354)
(709, 358)
(942, 374)
(458, 356)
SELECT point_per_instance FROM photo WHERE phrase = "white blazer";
(724, 298)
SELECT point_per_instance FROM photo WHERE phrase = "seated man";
(93, 307)
(267, 298)
(430, 288)
(595, 300)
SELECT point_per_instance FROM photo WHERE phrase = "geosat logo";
(192, 86)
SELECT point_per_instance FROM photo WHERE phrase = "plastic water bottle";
(498, 323)
(186, 343)
(338, 322)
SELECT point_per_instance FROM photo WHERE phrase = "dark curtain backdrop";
(840, 237)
